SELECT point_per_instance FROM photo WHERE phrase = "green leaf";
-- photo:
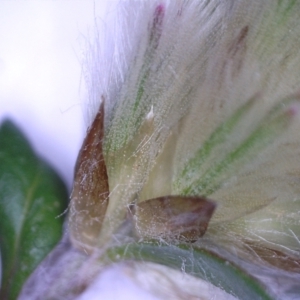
(32, 196)
(200, 263)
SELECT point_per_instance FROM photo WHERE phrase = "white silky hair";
(192, 48)
(199, 73)
(211, 57)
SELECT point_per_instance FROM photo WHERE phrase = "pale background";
(41, 87)
(42, 91)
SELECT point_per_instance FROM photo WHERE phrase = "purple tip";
(156, 27)
(158, 15)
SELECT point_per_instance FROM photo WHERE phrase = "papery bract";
(202, 100)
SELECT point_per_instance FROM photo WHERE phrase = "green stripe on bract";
(273, 125)
(250, 147)
(126, 124)
(193, 166)
(284, 7)
(129, 115)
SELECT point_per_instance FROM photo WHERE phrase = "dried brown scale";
(173, 218)
(89, 198)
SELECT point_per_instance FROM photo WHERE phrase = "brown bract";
(172, 218)
(89, 198)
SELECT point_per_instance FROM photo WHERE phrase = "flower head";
(201, 99)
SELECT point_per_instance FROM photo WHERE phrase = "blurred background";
(41, 86)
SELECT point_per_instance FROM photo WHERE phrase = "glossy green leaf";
(200, 263)
(32, 196)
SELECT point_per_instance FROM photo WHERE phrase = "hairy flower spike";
(202, 100)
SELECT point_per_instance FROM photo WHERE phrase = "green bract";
(217, 270)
